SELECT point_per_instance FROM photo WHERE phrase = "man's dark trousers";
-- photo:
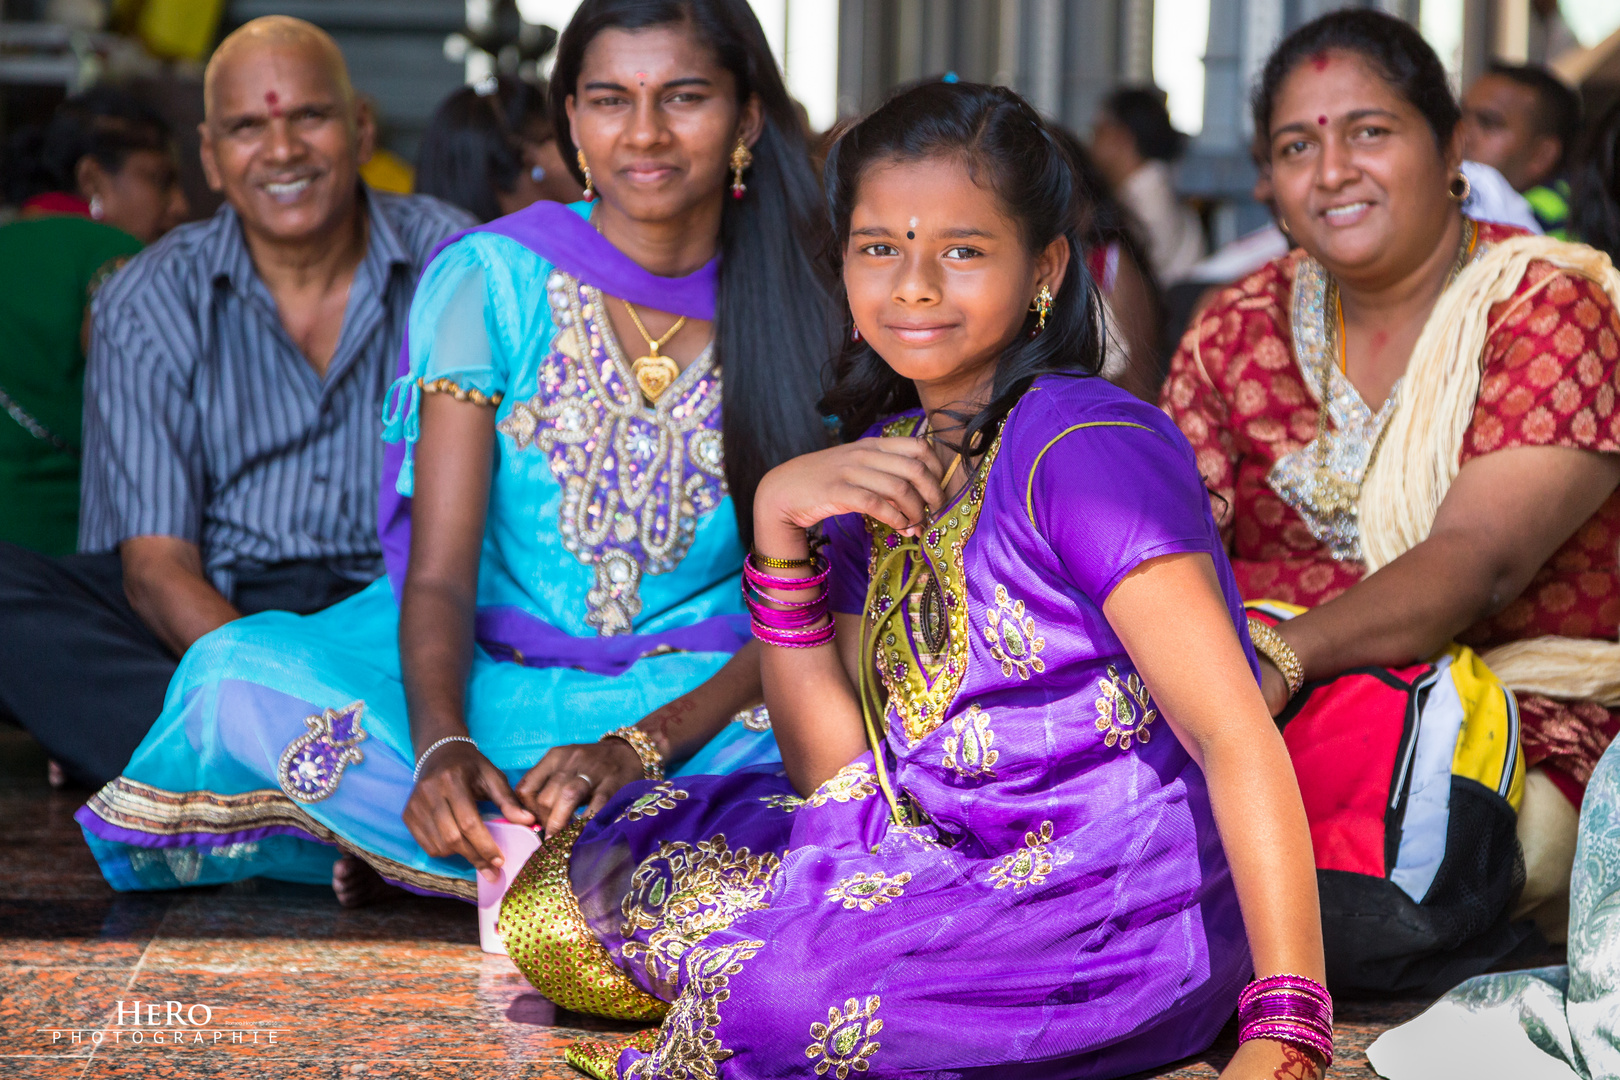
(80, 670)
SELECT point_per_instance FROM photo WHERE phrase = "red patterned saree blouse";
(1552, 372)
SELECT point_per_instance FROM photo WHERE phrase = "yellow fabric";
(548, 939)
(387, 171)
(1488, 745)
(1421, 451)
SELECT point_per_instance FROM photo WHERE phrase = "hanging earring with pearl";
(97, 211)
(590, 190)
(741, 158)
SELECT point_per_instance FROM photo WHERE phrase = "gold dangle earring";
(590, 191)
(1042, 306)
(1459, 188)
(741, 158)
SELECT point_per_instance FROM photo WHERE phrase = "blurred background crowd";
(100, 102)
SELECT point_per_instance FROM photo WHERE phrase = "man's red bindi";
(273, 99)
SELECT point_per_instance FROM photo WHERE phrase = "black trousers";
(81, 672)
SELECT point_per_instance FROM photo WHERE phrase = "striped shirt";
(204, 421)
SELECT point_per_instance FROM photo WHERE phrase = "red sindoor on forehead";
(273, 99)
(1319, 60)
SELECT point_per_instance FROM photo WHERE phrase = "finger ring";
(588, 781)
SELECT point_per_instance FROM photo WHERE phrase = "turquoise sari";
(607, 587)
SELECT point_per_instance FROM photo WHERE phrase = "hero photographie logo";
(165, 1023)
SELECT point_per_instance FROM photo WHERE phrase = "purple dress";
(1061, 905)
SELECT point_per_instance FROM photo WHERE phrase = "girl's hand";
(1262, 1059)
(569, 775)
(893, 480)
(443, 809)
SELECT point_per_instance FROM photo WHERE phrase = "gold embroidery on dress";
(683, 894)
(548, 939)
(1011, 635)
(850, 784)
(968, 752)
(137, 807)
(922, 673)
(788, 803)
(1124, 709)
(635, 477)
(662, 796)
(599, 1058)
(1030, 864)
(868, 891)
(687, 1047)
(846, 1041)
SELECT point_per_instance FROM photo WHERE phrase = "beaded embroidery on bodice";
(1314, 478)
(635, 477)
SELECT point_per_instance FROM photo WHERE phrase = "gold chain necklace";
(654, 372)
(1339, 495)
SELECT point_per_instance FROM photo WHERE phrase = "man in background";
(1522, 121)
(233, 404)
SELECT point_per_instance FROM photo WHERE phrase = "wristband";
(652, 762)
(1270, 644)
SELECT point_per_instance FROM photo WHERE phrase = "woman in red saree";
(1485, 511)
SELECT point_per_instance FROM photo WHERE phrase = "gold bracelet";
(769, 563)
(652, 762)
(447, 386)
(1270, 644)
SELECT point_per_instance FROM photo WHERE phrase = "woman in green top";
(95, 185)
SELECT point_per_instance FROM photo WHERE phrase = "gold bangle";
(1270, 644)
(769, 563)
(652, 762)
(460, 393)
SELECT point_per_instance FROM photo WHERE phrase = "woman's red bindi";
(1322, 120)
(1320, 61)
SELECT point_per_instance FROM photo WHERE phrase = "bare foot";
(357, 884)
(55, 775)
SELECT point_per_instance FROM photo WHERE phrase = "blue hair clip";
(950, 77)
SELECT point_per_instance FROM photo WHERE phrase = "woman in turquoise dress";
(560, 522)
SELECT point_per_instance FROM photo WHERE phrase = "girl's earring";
(855, 333)
(741, 158)
(1460, 188)
(1282, 226)
(1041, 307)
(590, 191)
(97, 211)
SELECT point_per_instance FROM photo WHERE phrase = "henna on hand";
(1297, 1064)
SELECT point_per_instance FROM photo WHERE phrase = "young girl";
(1032, 797)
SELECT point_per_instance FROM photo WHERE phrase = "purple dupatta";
(564, 237)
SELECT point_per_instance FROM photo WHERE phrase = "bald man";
(233, 401)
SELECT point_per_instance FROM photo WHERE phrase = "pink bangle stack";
(791, 624)
(1289, 1009)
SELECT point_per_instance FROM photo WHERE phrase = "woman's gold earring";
(590, 191)
(1282, 226)
(1041, 307)
(1460, 188)
(741, 158)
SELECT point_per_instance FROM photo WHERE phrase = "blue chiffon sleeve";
(452, 336)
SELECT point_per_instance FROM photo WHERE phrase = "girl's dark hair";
(473, 146)
(773, 311)
(1103, 219)
(1394, 49)
(1595, 200)
(1012, 156)
(1142, 111)
(104, 124)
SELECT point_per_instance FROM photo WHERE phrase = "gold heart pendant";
(654, 374)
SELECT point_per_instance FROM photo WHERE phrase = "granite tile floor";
(284, 983)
